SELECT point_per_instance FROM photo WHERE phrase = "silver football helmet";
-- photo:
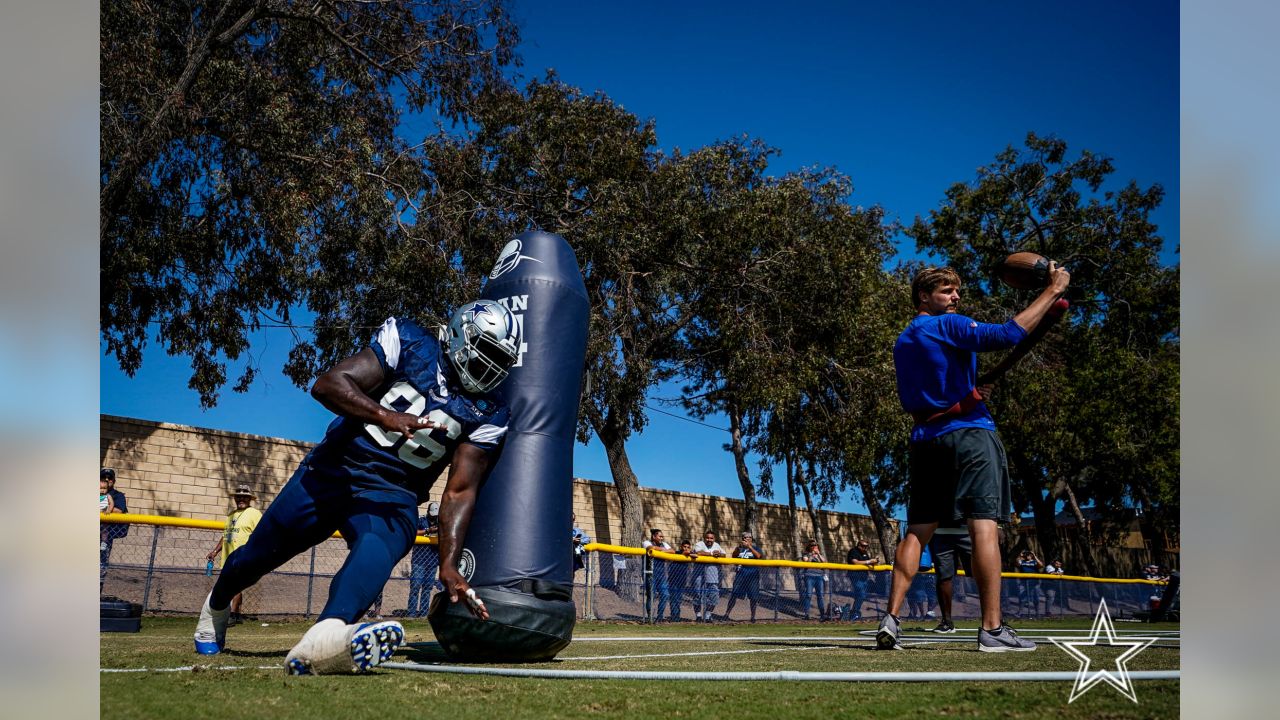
(483, 343)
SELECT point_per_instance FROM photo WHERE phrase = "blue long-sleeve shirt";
(936, 361)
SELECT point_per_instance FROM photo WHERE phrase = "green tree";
(865, 425)
(789, 312)
(556, 159)
(249, 146)
(1092, 415)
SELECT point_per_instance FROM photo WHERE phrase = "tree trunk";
(744, 476)
(814, 520)
(627, 486)
(879, 518)
(791, 503)
(1083, 545)
(1043, 509)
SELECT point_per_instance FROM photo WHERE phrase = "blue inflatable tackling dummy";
(517, 554)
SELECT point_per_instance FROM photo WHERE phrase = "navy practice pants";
(305, 513)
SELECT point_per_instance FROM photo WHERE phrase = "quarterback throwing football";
(408, 405)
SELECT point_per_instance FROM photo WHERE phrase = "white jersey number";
(421, 450)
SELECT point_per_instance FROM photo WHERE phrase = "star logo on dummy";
(1104, 635)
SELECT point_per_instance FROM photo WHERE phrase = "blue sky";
(906, 98)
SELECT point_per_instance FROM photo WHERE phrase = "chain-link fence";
(164, 568)
(637, 588)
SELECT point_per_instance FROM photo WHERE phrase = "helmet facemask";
(482, 345)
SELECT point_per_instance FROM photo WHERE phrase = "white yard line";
(704, 652)
(785, 675)
(717, 638)
(189, 668)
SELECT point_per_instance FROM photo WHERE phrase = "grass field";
(259, 687)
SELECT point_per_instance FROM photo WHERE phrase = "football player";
(408, 405)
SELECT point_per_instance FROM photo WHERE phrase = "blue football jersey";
(388, 466)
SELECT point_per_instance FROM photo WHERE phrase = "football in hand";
(1024, 271)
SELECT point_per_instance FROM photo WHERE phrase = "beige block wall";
(686, 516)
(183, 471)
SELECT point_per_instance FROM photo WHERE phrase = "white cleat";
(334, 647)
(211, 629)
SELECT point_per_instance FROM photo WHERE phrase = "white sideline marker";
(788, 675)
(704, 652)
(189, 668)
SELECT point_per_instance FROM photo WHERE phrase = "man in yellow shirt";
(240, 523)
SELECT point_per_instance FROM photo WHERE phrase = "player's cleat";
(1002, 639)
(887, 635)
(331, 647)
(389, 636)
(211, 629)
(946, 627)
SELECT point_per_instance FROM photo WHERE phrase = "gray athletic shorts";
(956, 476)
(947, 550)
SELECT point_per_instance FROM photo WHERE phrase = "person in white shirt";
(1055, 589)
(706, 579)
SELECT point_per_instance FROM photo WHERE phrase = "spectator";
(118, 502)
(860, 555)
(240, 525)
(109, 532)
(1029, 587)
(950, 547)
(1166, 607)
(105, 506)
(746, 579)
(104, 498)
(921, 591)
(580, 539)
(424, 561)
(813, 580)
(659, 586)
(679, 578)
(1153, 573)
(1054, 589)
(706, 578)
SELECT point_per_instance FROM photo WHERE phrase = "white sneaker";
(332, 646)
(211, 629)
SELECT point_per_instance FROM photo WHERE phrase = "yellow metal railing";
(702, 559)
(193, 523)
(167, 521)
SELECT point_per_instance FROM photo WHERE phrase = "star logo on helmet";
(479, 308)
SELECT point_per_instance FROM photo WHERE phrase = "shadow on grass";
(797, 642)
(269, 654)
(425, 652)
